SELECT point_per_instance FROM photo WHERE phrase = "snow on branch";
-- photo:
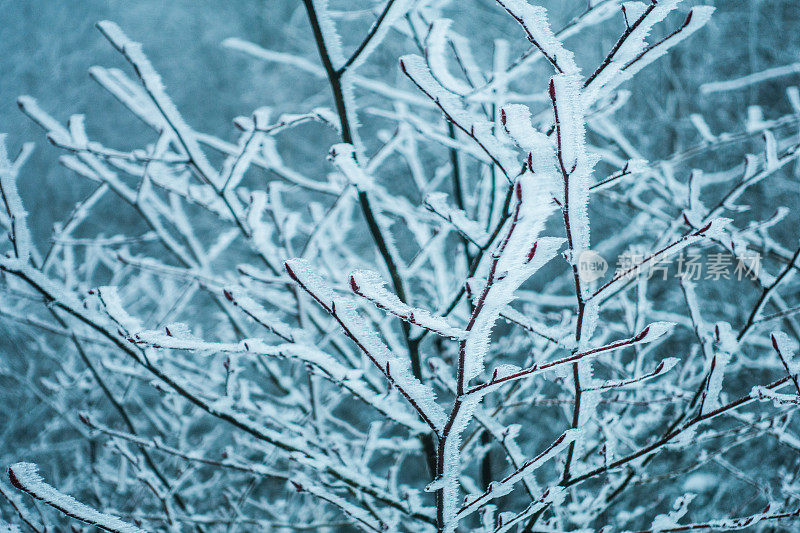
(361, 516)
(437, 41)
(421, 397)
(508, 374)
(516, 119)
(506, 485)
(392, 11)
(573, 160)
(350, 379)
(516, 258)
(17, 216)
(750, 79)
(25, 477)
(711, 230)
(697, 18)
(631, 53)
(479, 130)
(370, 286)
(152, 83)
(437, 203)
(533, 20)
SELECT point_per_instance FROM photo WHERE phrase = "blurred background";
(47, 48)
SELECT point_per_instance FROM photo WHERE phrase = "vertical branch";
(570, 153)
(335, 80)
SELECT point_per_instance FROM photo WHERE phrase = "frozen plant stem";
(334, 76)
(335, 80)
(566, 211)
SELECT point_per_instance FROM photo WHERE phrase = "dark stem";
(578, 289)
(765, 295)
(372, 32)
(619, 43)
